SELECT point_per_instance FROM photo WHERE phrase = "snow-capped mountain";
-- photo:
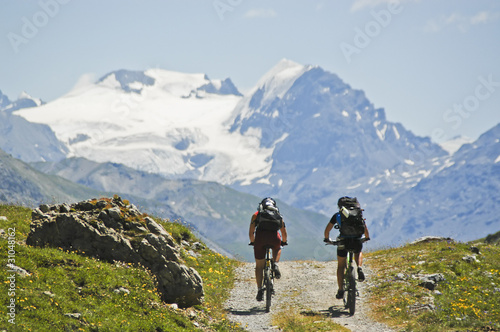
(174, 122)
(328, 141)
(26, 140)
(23, 101)
(452, 145)
(4, 101)
(301, 135)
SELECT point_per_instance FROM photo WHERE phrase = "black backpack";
(269, 217)
(350, 217)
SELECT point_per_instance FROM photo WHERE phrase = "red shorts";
(263, 239)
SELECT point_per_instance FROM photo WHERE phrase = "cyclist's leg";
(357, 246)
(259, 271)
(275, 241)
(341, 263)
(358, 258)
(276, 259)
(276, 255)
(260, 259)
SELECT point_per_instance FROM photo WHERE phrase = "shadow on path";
(335, 311)
(248, 312)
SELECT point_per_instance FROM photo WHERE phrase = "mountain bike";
(268, 282)
(350, 290)
(268, 278)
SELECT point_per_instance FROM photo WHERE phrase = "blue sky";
(432, 65)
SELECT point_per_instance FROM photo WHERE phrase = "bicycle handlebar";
(282, 243)
(336, 243)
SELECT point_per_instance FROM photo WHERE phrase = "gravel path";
(309, 286)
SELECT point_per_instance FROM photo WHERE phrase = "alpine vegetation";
(114, 230)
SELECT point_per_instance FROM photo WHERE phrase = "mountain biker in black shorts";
(350, 243)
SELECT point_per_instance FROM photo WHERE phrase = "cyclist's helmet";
(341, 201)
(268, 203)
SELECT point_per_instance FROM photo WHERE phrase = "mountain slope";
(23, 139)
(29, 141)
(23, 101)
(459, 201)
(220, 214)
(22, 184)
(4, 100)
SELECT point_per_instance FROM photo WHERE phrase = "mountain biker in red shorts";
(262, 235)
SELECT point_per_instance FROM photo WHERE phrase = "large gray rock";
(111, 230)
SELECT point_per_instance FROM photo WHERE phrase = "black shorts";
(350, 243)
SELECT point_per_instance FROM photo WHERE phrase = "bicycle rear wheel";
(269, 289)
(351, 291)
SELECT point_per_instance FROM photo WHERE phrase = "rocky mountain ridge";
(456, 201)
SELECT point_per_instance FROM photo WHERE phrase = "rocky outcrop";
(426, 239)
(429, 281)
(113, 230)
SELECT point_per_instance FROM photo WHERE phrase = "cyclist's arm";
(367, 235)
(251, 231)
(328, 229)
(284, 234)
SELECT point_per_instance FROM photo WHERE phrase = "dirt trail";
(309, 286)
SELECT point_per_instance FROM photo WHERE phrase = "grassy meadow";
(68, 291)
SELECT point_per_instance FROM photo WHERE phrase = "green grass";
(63, 283)
(468, 299)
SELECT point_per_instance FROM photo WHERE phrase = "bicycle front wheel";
(351, 292)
